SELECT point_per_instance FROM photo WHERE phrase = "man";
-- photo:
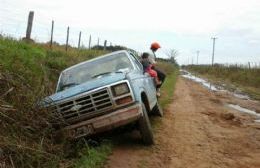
(152, 58)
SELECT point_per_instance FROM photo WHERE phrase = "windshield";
(94, 69)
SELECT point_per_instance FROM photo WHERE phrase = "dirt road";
(197, 131)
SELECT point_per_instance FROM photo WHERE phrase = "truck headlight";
(120, 89)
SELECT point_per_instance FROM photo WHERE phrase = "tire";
(145, 128)
(157, 110)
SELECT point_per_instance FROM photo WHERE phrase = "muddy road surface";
(198, 130)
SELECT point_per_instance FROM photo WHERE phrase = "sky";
(185, 25)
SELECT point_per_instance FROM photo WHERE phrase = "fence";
(249, 65)
(50, 33)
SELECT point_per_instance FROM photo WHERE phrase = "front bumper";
(105, 122)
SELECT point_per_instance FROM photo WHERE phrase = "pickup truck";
(102, 94)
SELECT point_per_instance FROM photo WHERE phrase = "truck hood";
(84, 87)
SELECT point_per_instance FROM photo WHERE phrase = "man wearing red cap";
(152, 59)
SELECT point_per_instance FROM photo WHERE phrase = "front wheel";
(145, 128)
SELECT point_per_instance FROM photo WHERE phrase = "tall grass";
(248, 80)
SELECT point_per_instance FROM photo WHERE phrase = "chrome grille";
(85, 105)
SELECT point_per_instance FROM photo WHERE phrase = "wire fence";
(15, 24)
(249, 65)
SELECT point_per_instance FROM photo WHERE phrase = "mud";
(198, 130)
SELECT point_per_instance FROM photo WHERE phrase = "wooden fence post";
(89, 42)
(79, 40)
(67, 40)
(105, 44)
(98, 42)
(29, 25)
(249, 67)
(52, 27)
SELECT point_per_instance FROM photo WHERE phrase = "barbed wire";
(13, 23)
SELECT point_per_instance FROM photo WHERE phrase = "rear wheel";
(145, 128)
(157, 110)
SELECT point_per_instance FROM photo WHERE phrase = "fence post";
(105, 44)
(89, 42)
(98, 42)
(52, 27)
(79, 40)
(67, 40)
(249, 67)
(29, 25)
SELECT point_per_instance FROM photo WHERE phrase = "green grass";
(247, 80)
(93, 157)
(168, 87)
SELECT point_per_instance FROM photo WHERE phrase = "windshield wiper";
(105, 73)
(68, 85)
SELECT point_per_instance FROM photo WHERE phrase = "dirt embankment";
(198, 131)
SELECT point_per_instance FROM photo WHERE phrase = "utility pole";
(198, 53)
(79, 40)
(105, 44)
(89, 42)
(29, 25)
(67, 39)
(52, 27)
(213, 52)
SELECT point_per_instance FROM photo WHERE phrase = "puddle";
(245, 110)
(210, 86)
(241, 96)
(205, 83)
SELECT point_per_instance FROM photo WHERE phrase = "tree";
(172, 54)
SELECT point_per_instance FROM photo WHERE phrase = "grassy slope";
(247, 80)
(29, 72)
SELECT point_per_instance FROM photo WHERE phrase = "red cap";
(155, 46)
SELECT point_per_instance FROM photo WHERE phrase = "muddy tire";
(157, 110)
(145, 128)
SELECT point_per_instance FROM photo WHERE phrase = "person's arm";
(154, 55)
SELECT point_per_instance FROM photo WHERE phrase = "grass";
(246, 80)
(168, 87)
(91, 157)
